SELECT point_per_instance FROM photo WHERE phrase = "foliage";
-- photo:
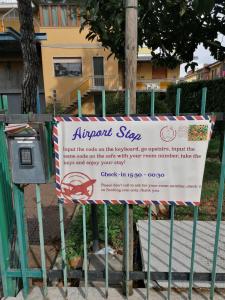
(74, 241)
(115, 103)
(54, 106)
(191, 93)
(172, 29)
(210, 187)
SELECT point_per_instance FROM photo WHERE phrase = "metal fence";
(13, 230)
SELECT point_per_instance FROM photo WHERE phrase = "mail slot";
(28, 151)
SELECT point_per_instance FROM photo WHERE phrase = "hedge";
(191, 93)
(115, 103)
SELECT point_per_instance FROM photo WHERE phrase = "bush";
(191, 93)
(115, 103)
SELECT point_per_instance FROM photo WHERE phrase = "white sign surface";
(131, 160)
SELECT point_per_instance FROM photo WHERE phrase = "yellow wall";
(173, 73)
(69, 42)
(191, 78)
(144, 74)
(144, 70)
(65, 42)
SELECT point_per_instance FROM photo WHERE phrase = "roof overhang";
(10, 42)
(13, 35)
(144, 58)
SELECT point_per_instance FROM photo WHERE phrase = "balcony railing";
(113, 83)
(155, 84)
(11, 19)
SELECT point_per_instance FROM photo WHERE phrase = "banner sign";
(135, 160)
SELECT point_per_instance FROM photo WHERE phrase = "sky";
(203, 56)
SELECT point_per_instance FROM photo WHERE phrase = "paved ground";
(50, 223)
(115, 294)
(182, 244)
(96, 262)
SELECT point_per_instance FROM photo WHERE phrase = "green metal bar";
(79, 103)
(63, 246)
(171, 250)
(41, 236)
(106, 218)
(5, 103)
(106, 252)
(193, 252)
(7, 283)
(218, 222)
(4, 168)
(1, 104)
(48, 133)
(178, 101)
(21, 234)
(203, 109)
(150, 213)
(85, 252)
(127, 102)
(127, 248)
(126, 215)
(203, 102)
(103, 104)
(29, 273)
(6, 179)
(172, 210)
(149, 249)
(152, 103)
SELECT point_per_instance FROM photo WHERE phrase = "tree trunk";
(30, 57)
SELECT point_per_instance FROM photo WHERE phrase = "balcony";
(155, 84)
(7, 4)
(94, 84)
(10, 18)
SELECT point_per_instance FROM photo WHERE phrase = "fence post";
(203, 103)
(171, 213)
(22, 235)
(8, 212)
(48, 134)
(152, 103)
(7, 283)
(178, 101)
(5, 103)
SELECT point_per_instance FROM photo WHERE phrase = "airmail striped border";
(135, 202)
(132, 118)
(111, 119)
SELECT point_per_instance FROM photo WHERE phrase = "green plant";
(191, 93)
(74, 241)
(115, 103)
(54, 107)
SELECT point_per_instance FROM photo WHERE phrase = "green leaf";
(203, 6)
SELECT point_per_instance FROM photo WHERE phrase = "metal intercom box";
(28, 154)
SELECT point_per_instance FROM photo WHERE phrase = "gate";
(13, 230)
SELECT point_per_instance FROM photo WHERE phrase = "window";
(45, 16)
(58, 15)
(159, 72)
(67, 66)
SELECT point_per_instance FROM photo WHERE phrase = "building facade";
(212, 71)
(70, 62)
